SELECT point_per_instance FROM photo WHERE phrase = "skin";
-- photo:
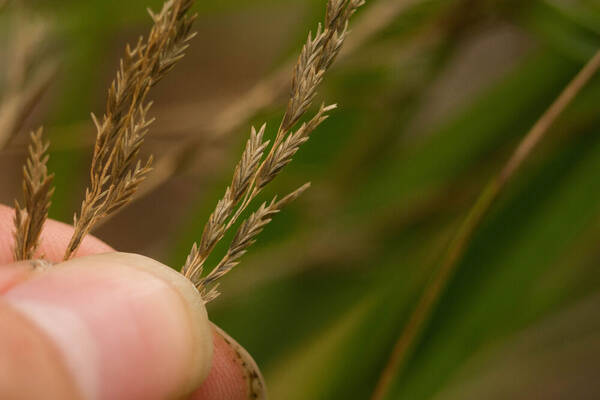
(107, 325)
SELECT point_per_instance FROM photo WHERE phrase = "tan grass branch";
(435, 288)
(244, 237)
(116, 172)
(37, 193)
(254, 172)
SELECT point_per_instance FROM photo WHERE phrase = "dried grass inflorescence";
(255, 170)
(116, 171)
(37, 192)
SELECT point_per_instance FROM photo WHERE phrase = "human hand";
(109, 325)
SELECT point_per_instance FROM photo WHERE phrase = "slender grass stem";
(435, 288)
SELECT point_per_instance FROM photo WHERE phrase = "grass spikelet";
(283, 153)
(253, 172)
(116, 172)
(37, 193)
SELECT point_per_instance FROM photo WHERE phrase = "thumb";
(109, 326)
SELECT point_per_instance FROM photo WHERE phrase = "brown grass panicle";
(37, 192)
(116, 172)
(254, 172)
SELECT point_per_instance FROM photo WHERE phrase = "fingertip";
(29, 357)
(55, 238)
(234, 374)
(13, 274)
(53, 241)
(119, 310)
(126, 326)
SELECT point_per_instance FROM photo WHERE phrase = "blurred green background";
(434, 96)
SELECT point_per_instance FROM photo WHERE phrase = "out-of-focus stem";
(457, 247)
